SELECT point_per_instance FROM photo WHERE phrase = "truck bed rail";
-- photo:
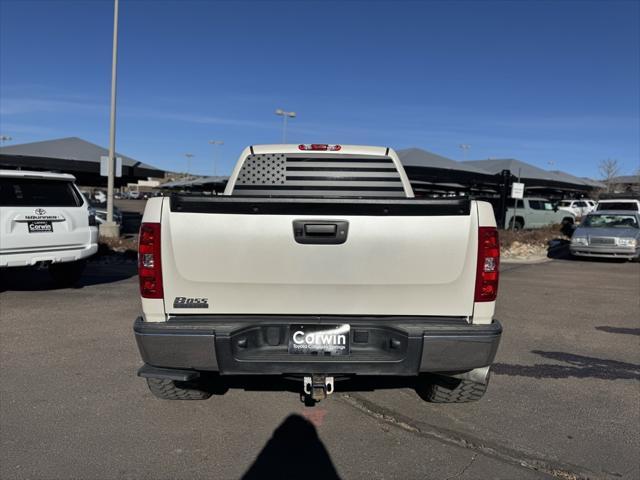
(320, 206)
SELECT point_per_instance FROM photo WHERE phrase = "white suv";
(45, 220)
(578, 207)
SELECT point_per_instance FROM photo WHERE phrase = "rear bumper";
(250, 345)
(58, 255)
(605, 252)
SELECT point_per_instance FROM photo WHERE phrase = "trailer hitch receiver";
(317, 387)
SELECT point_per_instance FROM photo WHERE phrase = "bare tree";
(609, 169)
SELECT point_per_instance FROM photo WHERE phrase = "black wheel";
(172, 390)
(451, 390)
(68, 273)
(516, 224)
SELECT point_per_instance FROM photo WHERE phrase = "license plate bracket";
(40, 226)
(320, 340)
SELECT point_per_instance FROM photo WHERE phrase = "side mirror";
(555, 208)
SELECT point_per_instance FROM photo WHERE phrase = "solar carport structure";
(199, 184)
(434, 175)
(76, 156)
(538, 181)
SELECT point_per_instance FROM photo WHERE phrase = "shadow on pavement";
(99, 270)
(620, 330)
(294, 451)
(579, 366)
(559, 249)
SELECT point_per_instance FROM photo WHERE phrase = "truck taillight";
(488, 273)
(149, 264)
(323, 147)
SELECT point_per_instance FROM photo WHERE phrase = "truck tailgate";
(400, 257)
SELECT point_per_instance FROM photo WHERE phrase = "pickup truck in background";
(45, 221)
(318, 264)
(536, 213)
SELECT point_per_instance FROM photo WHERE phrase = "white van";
(45, 220)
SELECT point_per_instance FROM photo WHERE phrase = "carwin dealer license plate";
(40, 226)
(323, 340)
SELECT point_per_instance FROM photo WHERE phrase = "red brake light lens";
(323, 147)
(488, 270)
(149, 263)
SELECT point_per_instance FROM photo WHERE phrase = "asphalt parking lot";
(564, 399)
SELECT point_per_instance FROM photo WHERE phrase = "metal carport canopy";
(531, 175)
(424, 166)
(72, 155)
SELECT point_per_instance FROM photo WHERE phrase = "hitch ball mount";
(317, 387)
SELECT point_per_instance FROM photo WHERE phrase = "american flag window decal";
(329, 176)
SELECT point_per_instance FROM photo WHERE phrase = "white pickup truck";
(45, 221)
(537, 213)
(318, 263)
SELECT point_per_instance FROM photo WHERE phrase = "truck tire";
(452, 390)
(516, 224)
(171, 390)
(67, 274)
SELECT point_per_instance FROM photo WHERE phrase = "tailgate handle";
(320, 229)
(329, 232)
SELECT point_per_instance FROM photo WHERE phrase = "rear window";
(304, 175)
(632, 206)
(36, 192)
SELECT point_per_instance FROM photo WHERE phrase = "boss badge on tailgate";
(188, 302)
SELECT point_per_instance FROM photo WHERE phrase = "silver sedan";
(608, 234)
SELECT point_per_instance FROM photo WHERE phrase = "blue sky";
(556, 84)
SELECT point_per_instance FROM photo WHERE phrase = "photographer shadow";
(294, 451)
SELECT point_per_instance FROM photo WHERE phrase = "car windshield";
(611, 221)
(564, 203)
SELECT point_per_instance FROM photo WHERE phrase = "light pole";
(464, 148)
(189, 157)
(5, 138)
(215, 143)
(110, 228)
(284, 114)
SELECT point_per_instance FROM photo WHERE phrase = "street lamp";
(464, 148)
(5, 138)
(284, 114)
(110, 228)
(214, 143)
(189, 157)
